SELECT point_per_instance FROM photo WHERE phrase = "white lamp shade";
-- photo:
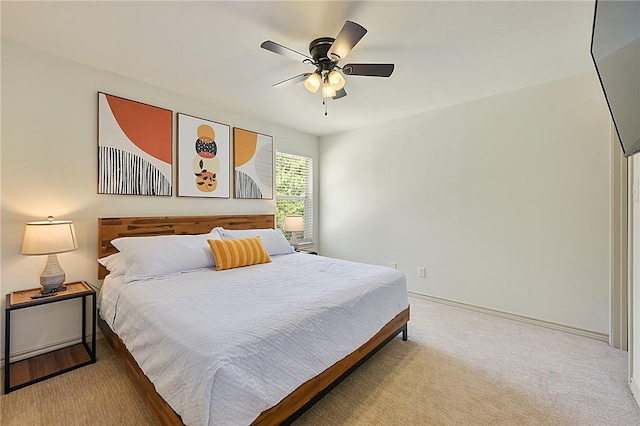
(49, 237)
(293, 223)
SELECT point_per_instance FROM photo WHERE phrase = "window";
(294, 191)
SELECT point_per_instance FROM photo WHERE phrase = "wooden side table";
(41, 367)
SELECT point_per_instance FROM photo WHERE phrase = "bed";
(231, 383)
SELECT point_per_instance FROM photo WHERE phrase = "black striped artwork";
(246, 187)
(121, 172)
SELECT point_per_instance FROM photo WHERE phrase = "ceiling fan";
(325, 53)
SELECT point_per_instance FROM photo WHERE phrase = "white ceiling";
(445, 52)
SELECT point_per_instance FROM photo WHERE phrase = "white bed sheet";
(221, 347)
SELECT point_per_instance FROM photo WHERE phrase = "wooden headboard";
(115, 227)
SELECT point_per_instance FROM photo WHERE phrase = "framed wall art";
(134, 147)
(203, 158)
(252, 164)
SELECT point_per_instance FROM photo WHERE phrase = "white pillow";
(272, 239)
(149, 257)
(115, 263)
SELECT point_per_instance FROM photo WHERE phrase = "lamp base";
(52, 276)
(294, 240)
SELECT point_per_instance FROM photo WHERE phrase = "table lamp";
(50, 237)
(293, 224)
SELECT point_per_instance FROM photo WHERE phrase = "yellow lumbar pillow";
(236, 253)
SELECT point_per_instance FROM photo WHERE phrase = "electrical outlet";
(422, 272)
(394, 265)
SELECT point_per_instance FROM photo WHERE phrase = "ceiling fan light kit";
(313, 82)
(327, 90)
(325, 53)
(336, 80)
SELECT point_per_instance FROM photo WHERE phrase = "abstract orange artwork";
(134, 147)
(253, 164)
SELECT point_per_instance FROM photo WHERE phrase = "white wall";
(504, 200)
(49, 167)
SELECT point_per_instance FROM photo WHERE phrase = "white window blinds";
(294, 191)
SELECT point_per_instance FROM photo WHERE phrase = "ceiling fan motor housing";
(318, 49)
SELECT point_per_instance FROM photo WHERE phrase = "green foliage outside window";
(293, 191)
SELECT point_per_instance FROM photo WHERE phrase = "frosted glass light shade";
(328, 91)
(336, 80)
(313, 82)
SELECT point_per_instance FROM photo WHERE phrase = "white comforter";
(221, 347)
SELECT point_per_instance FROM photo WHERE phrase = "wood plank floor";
(46, 364)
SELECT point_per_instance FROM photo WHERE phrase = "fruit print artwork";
(204, 168)
(205, 164)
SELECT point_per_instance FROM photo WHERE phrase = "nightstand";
(22, 373)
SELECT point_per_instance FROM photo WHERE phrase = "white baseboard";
(635, 391)
(547, 324)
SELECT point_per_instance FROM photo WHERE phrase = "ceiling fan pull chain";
(324, 102)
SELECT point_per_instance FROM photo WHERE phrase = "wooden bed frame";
(292, 406)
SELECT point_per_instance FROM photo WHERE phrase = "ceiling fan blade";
(340, 94)
(349, 36)
(293, 80)
(284, 51)
(371, 70)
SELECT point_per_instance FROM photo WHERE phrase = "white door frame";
(634, 276)
(619, 297)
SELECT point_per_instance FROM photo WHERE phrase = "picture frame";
(204, 153)
(134, 147)
(252, 165)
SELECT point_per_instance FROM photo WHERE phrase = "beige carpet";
(458, 368)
